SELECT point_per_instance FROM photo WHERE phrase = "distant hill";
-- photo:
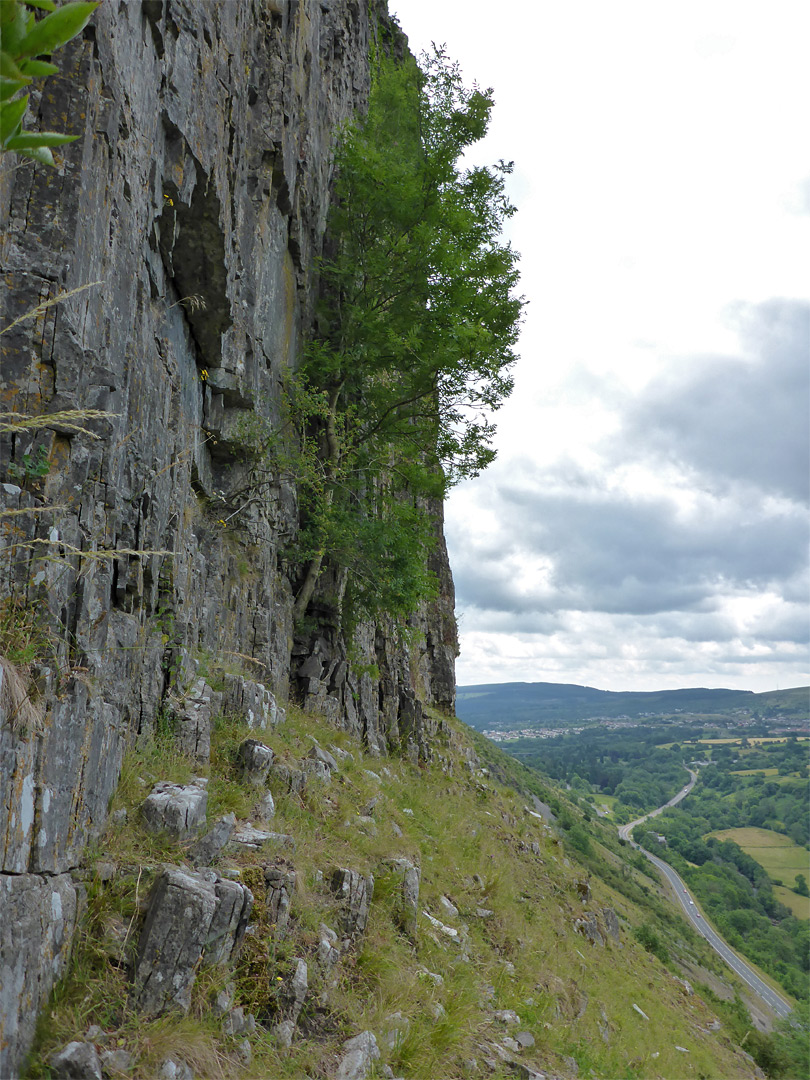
(517, 705)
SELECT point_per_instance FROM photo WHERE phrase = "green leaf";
(38, 68)
(46, 5)
(11, 117)
(9, 70)
(56, 29)
(8, 89)
(39, 153)
(30, 140)
(13, 18)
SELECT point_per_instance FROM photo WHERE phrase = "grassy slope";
(456, 821)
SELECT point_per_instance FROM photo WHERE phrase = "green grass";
(473, 840)
(607, 800)
(777, 854)
(799, 905)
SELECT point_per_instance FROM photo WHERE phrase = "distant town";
(777, 725)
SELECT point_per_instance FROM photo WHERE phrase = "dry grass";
(67, 419)
(21, 711)
(40, 309)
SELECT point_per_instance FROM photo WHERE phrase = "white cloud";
(645, 525)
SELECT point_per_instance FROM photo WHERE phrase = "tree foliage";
(414, 337)
(23, 38)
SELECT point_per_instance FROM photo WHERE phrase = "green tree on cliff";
(414, 338)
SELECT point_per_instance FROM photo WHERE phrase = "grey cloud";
(788, 626)
(575, 566)
(509, 622)
(615, 554)
(742, 419)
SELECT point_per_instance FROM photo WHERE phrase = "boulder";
(588, 926)
(611, 923)
(406, 905)
(209, 847)
(358, 1057)
(266, 810)
(193, 718)
(175, 1069)
(227, 929)
(76, 1061)
(294, 780)
(325, 758)
(177, 809)
(180, 910)
(449, 907)
(312, 767)
(507, 1016)
(188, 914)
(291, 1001)
(251, 701)
(396, 1031)
(246, 835)
(328, 952)
(254, 760)
(117, 1062)
(354, 892)
(283, 1032)
(448, 931)
(279, 881)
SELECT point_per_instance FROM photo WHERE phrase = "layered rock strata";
(171, 260)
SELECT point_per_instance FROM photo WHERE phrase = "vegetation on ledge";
(413, 341)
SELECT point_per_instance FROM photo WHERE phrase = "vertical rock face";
(37, 919)
(185, 222)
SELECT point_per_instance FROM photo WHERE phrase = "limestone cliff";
(184, 224)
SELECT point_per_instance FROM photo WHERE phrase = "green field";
(753, 772)
(799, 905)
(608, 801)
(751, 739)
(777, 854)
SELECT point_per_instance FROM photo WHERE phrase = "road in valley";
(769, 997)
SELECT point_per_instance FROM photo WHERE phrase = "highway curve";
(767, 996)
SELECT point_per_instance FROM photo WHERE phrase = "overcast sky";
(646, 523)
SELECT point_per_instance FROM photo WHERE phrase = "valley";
(719, 802)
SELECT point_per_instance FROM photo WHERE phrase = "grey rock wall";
(188, 215)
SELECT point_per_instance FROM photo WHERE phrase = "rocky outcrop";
(597, 927)
(280, 884)
(292, 997)
(254, 760)
(175, 250)
(77, 1059)
(354, 892)
(37, 919)
(193, 720)
(189, 914)
(358, 1057)
(176, 809)
(406, 904)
